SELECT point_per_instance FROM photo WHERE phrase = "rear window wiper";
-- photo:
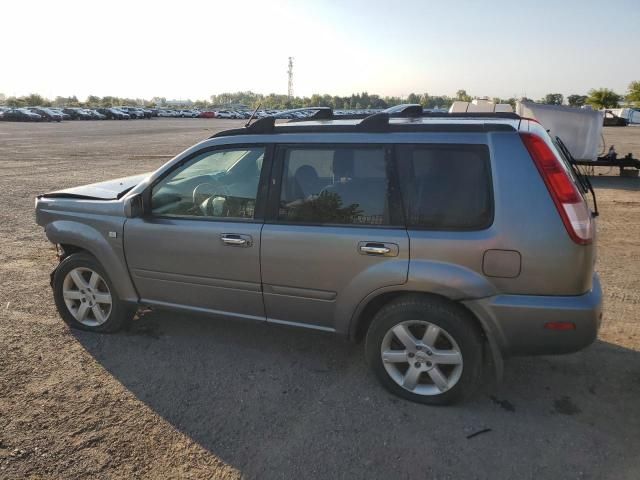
(583, 178)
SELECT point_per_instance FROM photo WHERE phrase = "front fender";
(107, 250)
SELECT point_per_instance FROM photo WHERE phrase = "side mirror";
(133, 206)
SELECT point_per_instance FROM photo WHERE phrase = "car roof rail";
(405, 110)
(260, 126)
(375, 122)
(507, 115)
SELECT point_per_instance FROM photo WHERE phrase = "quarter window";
(337, 185)
(215, 184)
(446, 187)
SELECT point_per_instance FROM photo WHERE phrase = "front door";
(198, 247)
(335, 233)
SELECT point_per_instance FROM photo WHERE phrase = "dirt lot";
(184, 397)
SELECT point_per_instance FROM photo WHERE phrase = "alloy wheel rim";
(87, 296)
(421, 357)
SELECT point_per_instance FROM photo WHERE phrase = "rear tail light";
(573, 209)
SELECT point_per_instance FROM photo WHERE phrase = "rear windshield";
(446, 187)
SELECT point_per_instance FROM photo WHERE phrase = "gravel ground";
(187, 397)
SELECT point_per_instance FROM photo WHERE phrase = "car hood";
(109, 190)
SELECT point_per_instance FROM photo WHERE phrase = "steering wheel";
(208, 189)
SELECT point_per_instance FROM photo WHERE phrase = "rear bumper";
(517, 322)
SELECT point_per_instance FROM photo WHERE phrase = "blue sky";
(192, 49)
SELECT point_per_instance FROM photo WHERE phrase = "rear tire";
(85, 297)
(439, 360)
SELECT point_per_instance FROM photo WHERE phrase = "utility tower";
(290, 74)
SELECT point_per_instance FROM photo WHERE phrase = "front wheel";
(426, 350)
(85, 297)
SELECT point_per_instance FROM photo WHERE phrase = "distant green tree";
(66, 101)
(159, 100)
(109, 101)
(633, 93)
(93, 101)
(463, 96)
(603, 98)
(35, 100)
(577, 100)
(511, 101)
(15, 102)
(413, 98)
(552, 99)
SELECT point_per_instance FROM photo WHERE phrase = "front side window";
(214, 184)
(446, 187)
(335, 185)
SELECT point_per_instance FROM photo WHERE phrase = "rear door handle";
(379, 249)
(236, 240)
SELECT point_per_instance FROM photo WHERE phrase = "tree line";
(597, 98)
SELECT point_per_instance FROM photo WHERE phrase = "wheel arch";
(75, 237)
(371, 305)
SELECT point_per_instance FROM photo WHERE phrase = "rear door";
(334, 233)
(199, 246)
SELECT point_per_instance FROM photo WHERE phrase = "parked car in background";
(78, 113)
(165, 113)
(134, 112)
(224, 114)
(125, 115)
(207, 114)
(60, 111)
(21, 115)
(188, 114)
(111, 113)
(46, 114)
(95, 114)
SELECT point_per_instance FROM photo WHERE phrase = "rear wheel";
(85, 297)
(426, 350)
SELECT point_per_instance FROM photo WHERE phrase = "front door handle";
(374, 250)
(379, 249)
(236, 240)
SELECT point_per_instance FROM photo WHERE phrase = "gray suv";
(445, 242)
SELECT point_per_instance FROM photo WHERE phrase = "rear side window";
(446, 187)
(335, 185)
